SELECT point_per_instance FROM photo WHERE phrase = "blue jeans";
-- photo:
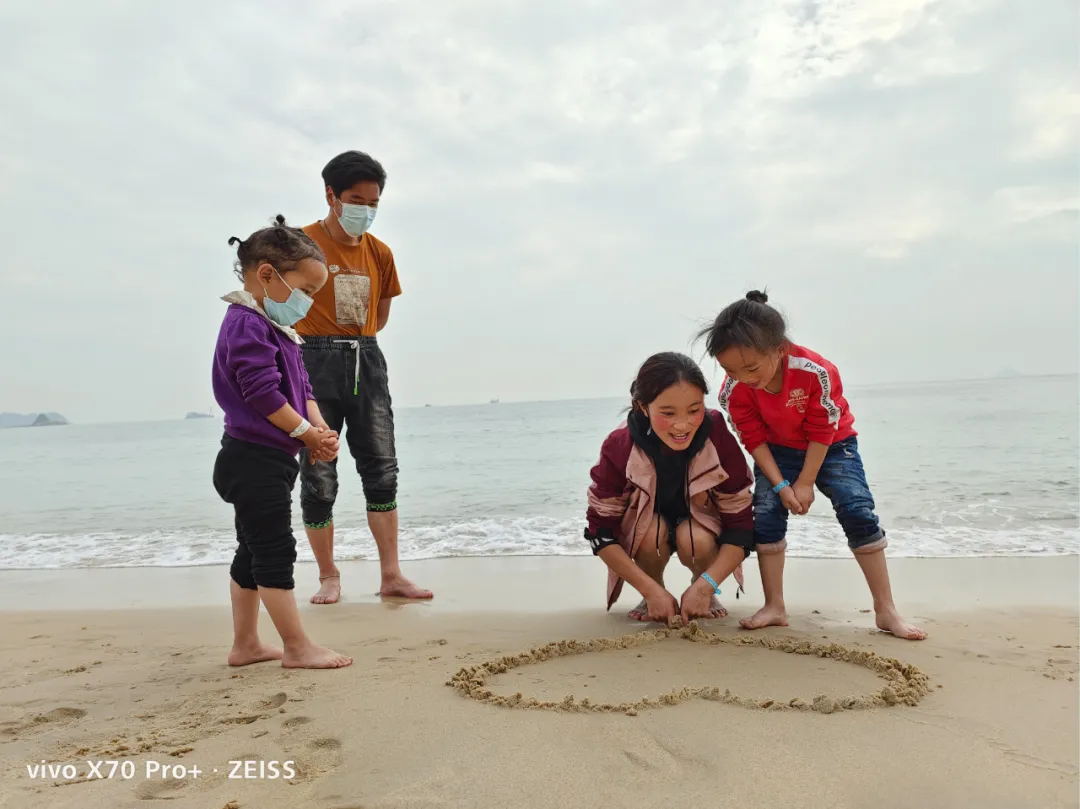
(841, 479)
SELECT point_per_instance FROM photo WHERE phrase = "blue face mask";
(356, 219)
(294, 309)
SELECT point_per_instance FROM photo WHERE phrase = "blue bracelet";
(782, 484)
(709, 579)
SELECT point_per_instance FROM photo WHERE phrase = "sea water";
(979, 468)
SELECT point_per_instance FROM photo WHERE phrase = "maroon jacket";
(621, 497)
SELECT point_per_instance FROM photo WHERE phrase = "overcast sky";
(573, 185)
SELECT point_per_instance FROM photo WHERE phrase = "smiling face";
(753, 368)
(676, 414)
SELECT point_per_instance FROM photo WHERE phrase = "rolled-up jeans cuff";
(770, 548)
(871, 544)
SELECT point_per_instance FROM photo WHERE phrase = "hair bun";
(757, 296)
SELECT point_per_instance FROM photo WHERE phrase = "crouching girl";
(671, 480)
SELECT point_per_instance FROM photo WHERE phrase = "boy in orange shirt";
(348, 371)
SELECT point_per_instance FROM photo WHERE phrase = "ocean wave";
(516, 536)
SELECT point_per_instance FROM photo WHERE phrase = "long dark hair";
(659, 372)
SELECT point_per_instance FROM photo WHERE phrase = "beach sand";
(128, 665)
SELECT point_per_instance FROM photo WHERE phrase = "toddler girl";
(261, 385)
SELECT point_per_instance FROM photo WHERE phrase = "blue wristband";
(709, 579)
(781, 485)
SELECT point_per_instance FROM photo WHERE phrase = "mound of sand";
(904, 684)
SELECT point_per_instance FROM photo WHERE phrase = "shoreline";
(564, 583)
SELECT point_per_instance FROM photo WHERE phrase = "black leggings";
(258, 481)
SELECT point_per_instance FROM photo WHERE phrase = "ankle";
(775, 603)
(297, 646)
(247, 642)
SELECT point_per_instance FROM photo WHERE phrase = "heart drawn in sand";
(904, 683)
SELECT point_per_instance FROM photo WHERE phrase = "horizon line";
(495, 402)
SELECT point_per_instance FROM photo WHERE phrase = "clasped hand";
(798, 497)
(322, 443)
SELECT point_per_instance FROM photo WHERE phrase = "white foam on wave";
(519, 536)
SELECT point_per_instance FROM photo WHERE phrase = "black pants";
(258, 481)
(350, 383)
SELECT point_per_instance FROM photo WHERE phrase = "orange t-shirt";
(360, 277)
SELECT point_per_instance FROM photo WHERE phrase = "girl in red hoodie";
(786, 404)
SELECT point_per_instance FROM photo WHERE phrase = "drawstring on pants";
(355, 345)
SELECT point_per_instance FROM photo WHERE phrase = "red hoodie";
(809, 407)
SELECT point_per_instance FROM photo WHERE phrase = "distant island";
(31, 420)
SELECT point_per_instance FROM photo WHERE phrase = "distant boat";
(209, 414)
(494, 401)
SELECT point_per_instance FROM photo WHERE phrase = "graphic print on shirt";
(826, 385)
(351, 296)
(797, 399)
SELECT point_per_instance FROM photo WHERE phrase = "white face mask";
(356, 219)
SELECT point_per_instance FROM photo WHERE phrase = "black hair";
(747, 323)
(280, 244)
(350, 168)
(659, 372)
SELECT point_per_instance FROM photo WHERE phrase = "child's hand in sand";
(697, 602)
(791, 501)
(662, 606)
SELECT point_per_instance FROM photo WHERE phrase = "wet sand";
(515, 688)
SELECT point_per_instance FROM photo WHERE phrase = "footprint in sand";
(276, 701)
(296, 722)
(165, 790)
(320, 756)
(57, 715)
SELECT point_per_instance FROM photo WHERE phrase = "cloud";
(573, 185)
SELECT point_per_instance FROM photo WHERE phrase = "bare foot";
(717, 610)
(640, 612)
(400, 587)
(766, 616)
(315, 657)
(259, 653)
(329, 590)
(890, 621)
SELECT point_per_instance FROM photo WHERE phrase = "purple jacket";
(258, 368)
